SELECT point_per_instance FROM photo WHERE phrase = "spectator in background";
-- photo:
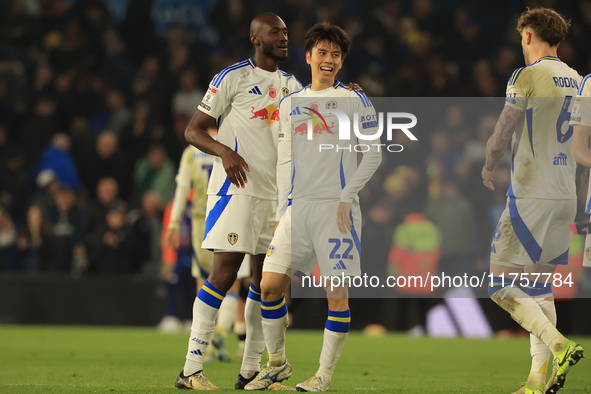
(39, 129)
(8, 237)
(95, 216)
(56, 158)
(106, 161)
(188, 96)
(148, 86)
(66, 98)
(13, 177)
(83, 141)
(35, 243)
(113, 253)
(136, 138)
(65, 218)
(146, 228)
(155, 173)
(116, 64)
(452, 213)
(118, 115)
(443, 151)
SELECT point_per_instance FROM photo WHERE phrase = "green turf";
(135, 360)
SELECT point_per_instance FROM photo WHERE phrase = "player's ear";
(254, 39)
(308, 55)
(528, 37)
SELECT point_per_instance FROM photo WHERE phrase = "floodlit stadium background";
(122, 79)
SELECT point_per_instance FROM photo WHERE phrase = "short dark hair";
(325, 32)
(546, 23)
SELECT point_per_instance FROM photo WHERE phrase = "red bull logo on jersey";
(270, 114)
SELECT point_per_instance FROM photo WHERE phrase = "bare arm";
(196, 134)
(497, 143)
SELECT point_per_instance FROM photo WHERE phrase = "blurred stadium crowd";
(93, 111)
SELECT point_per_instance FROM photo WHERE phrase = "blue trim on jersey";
(252, 63)
(224, 189)
(363, 98)
(510, 191)
(355, 236)
(562, 259)
(342, 171)
(514, 76)
(525, 236)
(215, 213)
(580, 91)
(218, 78)
(588, 209)
(289, 75)
(530, 128)
(555, 58)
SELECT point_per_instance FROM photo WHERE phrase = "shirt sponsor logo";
(270, 114)
(560, 159)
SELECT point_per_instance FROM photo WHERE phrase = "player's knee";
(222, 279)
(271, 290)
(338, 304)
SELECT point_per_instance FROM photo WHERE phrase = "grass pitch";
(37, 359)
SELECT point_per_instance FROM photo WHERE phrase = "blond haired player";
(533, 231)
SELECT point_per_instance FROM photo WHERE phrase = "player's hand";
(172, 238)
(275, 228)
(487, 177)
(354, 86)
(343, 217)
(235, 165)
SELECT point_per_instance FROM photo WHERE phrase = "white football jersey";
(542, 165)
(245, 100)
(309, 169)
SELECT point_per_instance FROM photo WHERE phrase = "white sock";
(227, 313)
(525, 311)
(255, 342)
(335, 334)
(205, 309)
(275, 322)
(538, 349)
